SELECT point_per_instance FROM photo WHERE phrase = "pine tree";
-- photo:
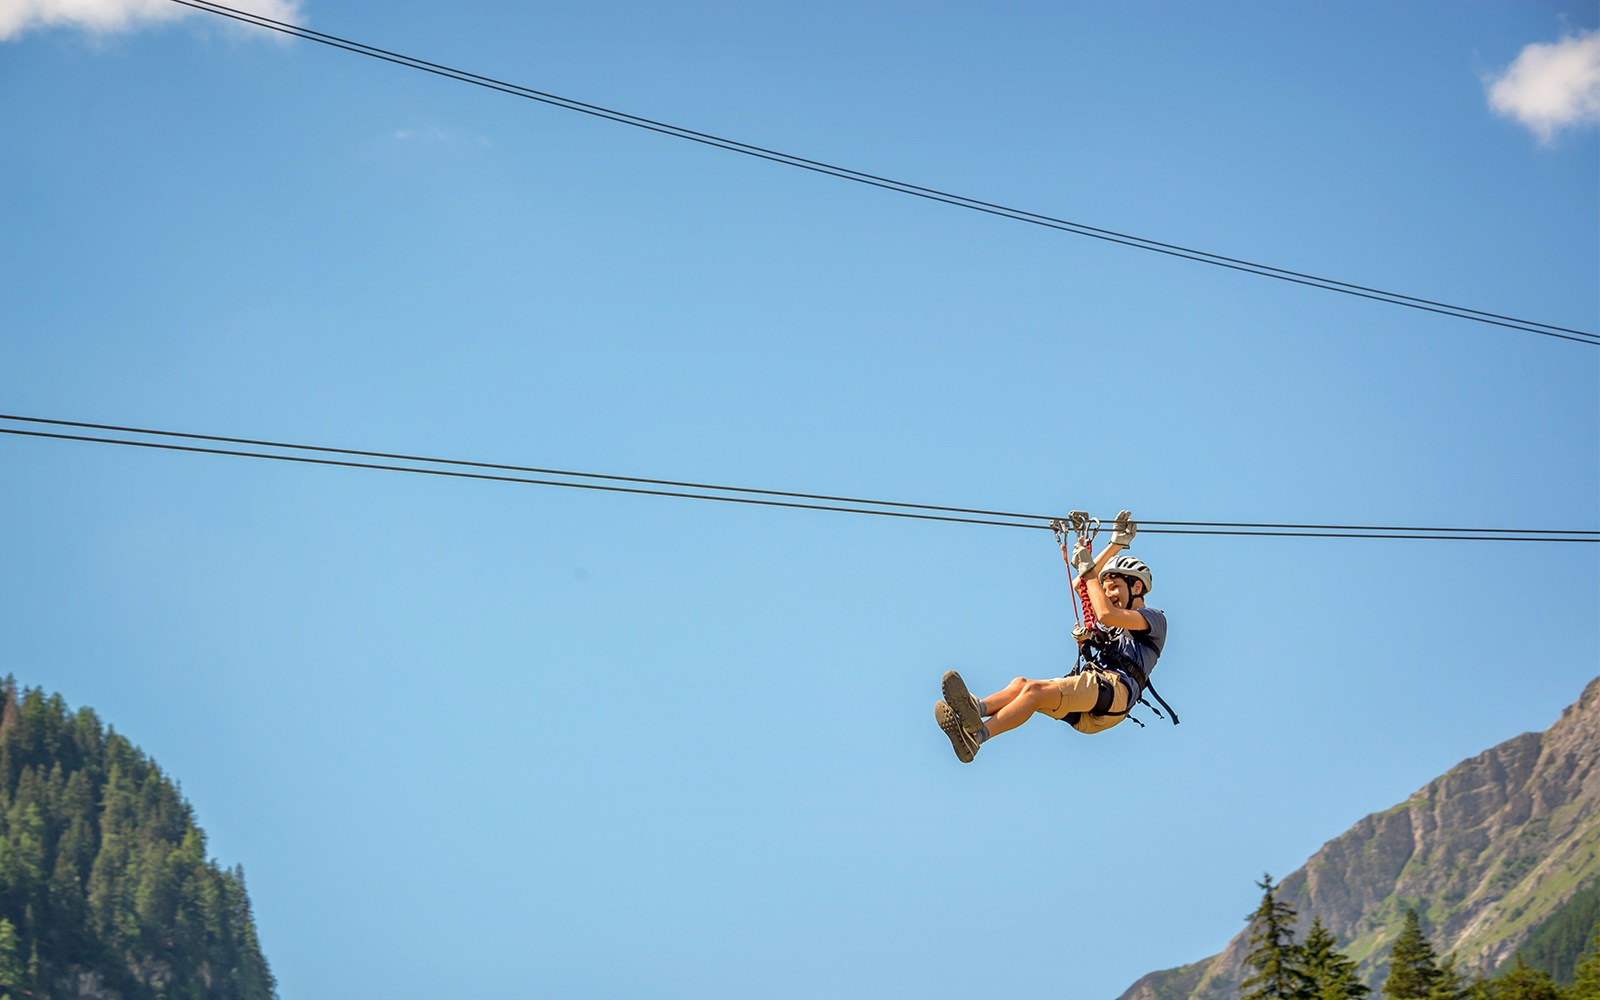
(103, 871)
(1332, 974)
(1451, 983)
(1587, 984)
(1275, 960)
(11, 970)
(1413, 967)
(1526, 983)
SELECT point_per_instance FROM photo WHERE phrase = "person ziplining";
(1119, 642)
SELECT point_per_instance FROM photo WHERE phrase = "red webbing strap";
(1088, 608)
(1085, 528)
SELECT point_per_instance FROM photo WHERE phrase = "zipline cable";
(749, 495)
(502, 479)
(902, 187)
(253, 442)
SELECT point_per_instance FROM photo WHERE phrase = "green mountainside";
(1500, 852)
(105, 889)
(1560, 942)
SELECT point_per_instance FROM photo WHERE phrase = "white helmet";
(1126, 565)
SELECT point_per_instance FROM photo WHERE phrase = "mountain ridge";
(1485, 852)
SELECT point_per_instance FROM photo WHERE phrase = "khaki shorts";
(1079, 693)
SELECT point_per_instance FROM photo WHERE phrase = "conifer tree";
(1275, 961)
(103, 871)
(11, 971)
(1332, 974)
(1413, 966)
(1451, 983)
(1526, 983)
(1586, 986)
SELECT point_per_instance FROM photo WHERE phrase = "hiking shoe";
(961, 741)
(962, 702)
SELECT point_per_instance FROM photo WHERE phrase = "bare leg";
(1003, 697)
(1068, 694)
(1033, 696)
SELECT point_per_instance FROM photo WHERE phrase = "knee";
(1036, 691)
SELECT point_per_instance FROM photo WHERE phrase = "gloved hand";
(1123, 531)
(1082, 559)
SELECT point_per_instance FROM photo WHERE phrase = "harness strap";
(1107, 659)
(1151, 688)
(1105, 696)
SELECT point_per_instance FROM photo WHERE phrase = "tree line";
(104, 879)
(1282, 968)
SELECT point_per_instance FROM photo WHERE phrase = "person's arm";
(1115, 617)
(1087, 569)
(1108, 615)
(1079, 561)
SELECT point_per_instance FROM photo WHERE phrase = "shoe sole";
(962, 702)
(960, 742)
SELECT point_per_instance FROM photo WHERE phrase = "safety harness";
(1097, 649)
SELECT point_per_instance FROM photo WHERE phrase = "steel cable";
(748, 495)
(903, 187)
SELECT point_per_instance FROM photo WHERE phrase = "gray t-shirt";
(1142, 653)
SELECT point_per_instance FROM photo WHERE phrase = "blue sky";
(471, 739)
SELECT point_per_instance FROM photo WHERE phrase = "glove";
(1082, 560)
(1123, 531)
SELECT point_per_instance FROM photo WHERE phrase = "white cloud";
(105, 17)
(426, 133)
(431, 134)
(1551, 86)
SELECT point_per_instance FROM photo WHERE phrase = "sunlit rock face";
(1485, 853)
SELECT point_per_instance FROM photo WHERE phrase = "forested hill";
(106, 892)
(1500, 852)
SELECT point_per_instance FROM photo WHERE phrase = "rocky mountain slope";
(1485, 853)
